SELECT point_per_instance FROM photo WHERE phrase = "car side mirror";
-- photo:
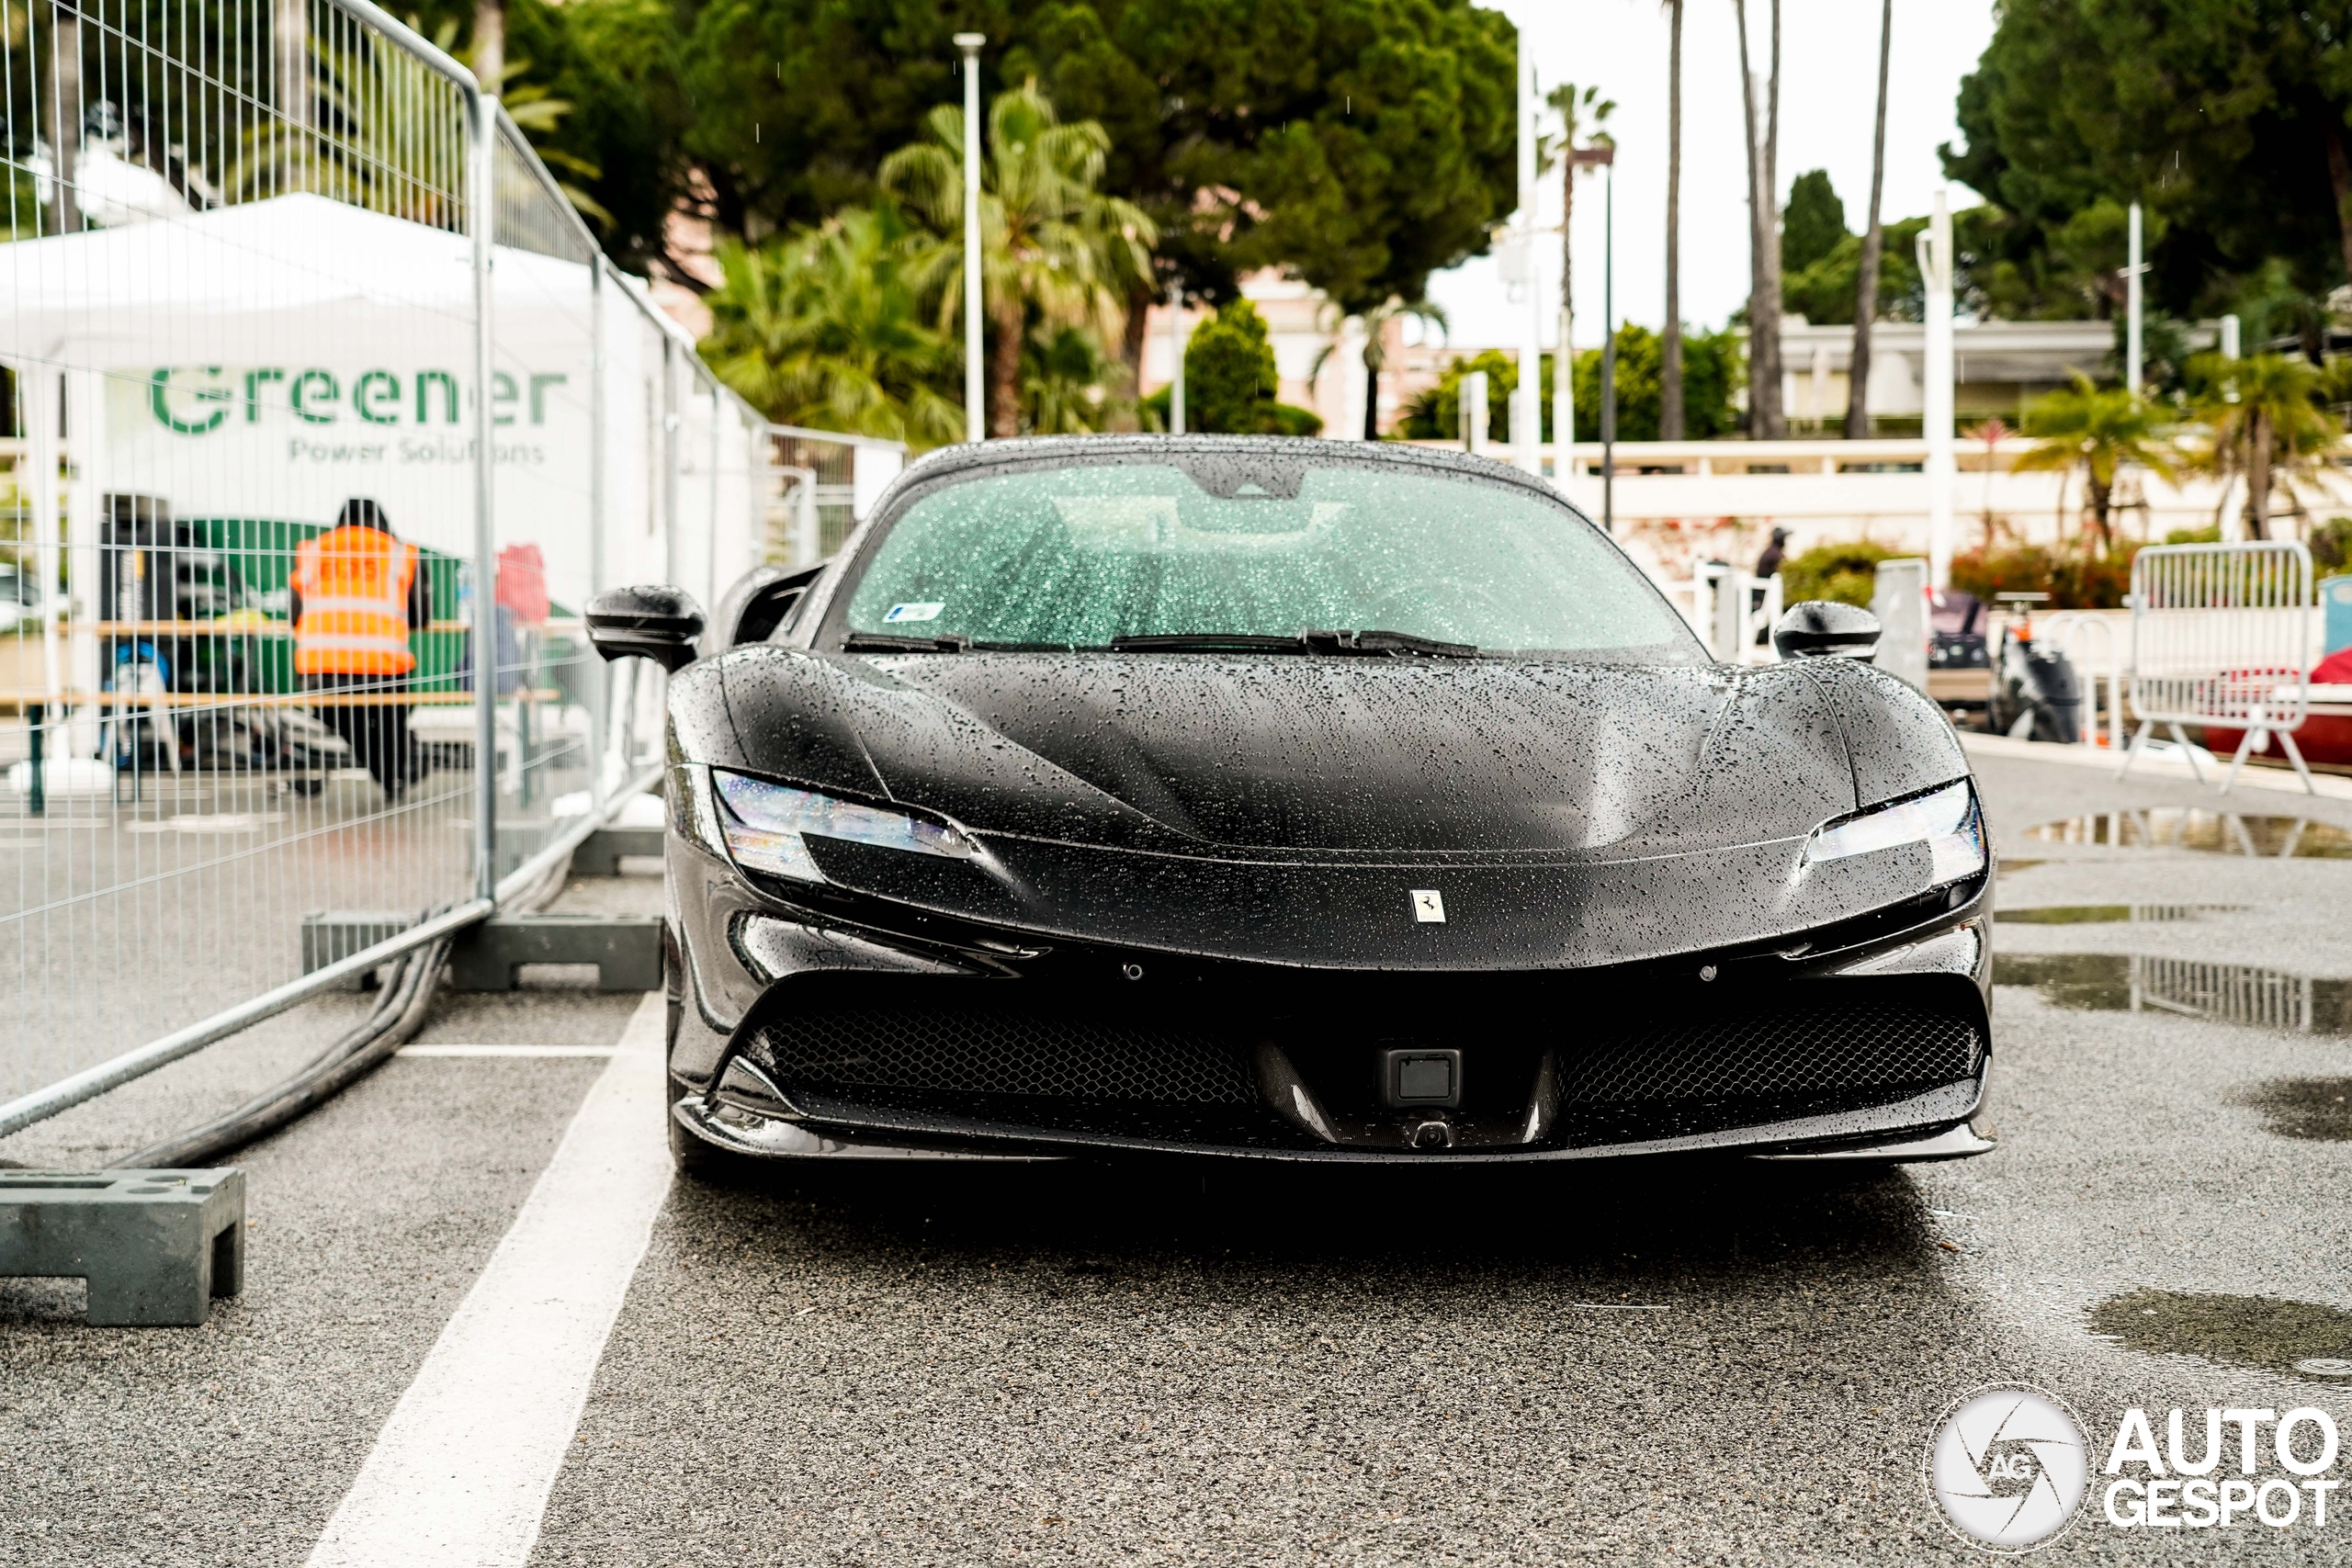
(647, 622)
(1822, 628)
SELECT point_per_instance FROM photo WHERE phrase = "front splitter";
(1922, 1127)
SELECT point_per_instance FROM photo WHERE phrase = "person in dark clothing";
(1774, 554)
(357, 594)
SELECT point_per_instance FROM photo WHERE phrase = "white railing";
(2221, 635)
(1731, 610)
(2091, 643)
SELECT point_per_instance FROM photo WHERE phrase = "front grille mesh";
(985, 1053)
(962, 1050)
(1774, 1056)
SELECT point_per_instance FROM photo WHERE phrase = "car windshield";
(1092, 555)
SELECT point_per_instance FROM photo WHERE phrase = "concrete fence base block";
(156, 1246)
(626, 950)
(601, 853)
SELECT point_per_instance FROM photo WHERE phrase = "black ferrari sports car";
(1295, 799)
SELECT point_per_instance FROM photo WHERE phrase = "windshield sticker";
(923, 612)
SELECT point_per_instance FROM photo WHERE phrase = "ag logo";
(2007, 1467)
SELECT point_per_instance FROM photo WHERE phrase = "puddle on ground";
(2111, 914)
(2263, 1331)
(2187, 987)
(2194, 828)
(2316, 1110)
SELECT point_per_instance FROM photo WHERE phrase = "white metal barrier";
(2221, 635)
(1899, 600)
(1731, 610)
(2233, 993)
(2102, 660)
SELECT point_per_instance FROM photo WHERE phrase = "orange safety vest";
(354, 583)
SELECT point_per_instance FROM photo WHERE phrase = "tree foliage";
(2265, 423)
(2224, 117)
(827, 327)
(1230, 380)
(1843, 571)
(1365, 143)
(1714, 365)
(1823, 291)
(2098, 430)
(1435, 414)
(1055, 250)
(1813, 221)
(2076, 577)
(614, 66)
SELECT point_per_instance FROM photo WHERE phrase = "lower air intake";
(1833, 1052)
(967, 1049)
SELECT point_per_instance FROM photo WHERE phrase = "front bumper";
(800, 1037)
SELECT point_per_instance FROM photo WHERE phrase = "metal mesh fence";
(828, 481)
(324, 417)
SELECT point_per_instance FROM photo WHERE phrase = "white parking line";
(507, 1050)
(459, 1475)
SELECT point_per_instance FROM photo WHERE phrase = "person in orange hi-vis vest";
(357, 594)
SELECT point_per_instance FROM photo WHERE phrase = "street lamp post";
(975, 396)
(1935, 388)
(1176, 359)
(1609, 342)
(1527, 408)
(2134, 355)
(1600, 155)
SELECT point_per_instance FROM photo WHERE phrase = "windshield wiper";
(1337, 642)
(1367, 642)
(891, 642)
(1207, 642)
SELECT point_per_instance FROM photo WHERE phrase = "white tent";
(271, 359)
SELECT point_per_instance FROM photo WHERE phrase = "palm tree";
(1062, 379)
(2264, 422)
(828, 328)
(1858, 377)
(1669, 385)
(1376, 347)
(1765, 420)
(2101, 430)
(1050, 240)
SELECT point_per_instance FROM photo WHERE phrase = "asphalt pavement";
(1176, 1363)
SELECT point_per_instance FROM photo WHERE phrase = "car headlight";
(1946, 820)
(765, 827)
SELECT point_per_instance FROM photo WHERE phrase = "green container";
(257, 556)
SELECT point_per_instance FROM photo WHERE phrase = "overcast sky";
(1828, 82)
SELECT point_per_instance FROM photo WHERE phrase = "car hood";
(1303, 756)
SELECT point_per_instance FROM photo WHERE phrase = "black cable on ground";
(399, 1013)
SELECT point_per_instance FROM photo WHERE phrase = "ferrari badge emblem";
(1428, 907)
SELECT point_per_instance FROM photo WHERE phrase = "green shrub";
(2074, 579)
(1435, 412)
(1229, 381)
(1846, 573)
(2330, 544)
(1714, 365)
